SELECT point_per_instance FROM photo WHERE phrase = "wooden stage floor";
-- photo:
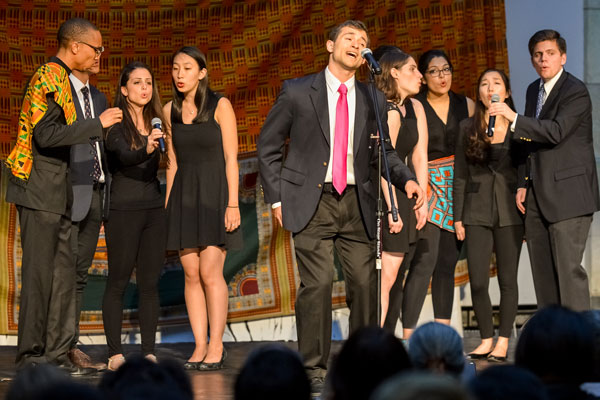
(216, 385)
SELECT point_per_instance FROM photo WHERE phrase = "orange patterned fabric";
(252, 46)
(49, 78)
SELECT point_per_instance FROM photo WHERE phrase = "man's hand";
(520, 198)
(413, 189)
(111, 116)
(277, 214)
(460, 230)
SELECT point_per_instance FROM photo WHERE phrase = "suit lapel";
(553, 94)
(361, 114)
(319, 100)
(78, 109)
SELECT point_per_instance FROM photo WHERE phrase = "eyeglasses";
(98, 50)
(440, 72)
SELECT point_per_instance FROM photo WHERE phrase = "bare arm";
(394, 128)
(419, 159)
(225, 117)
(172, 159)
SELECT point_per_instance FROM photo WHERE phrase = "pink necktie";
(340, 143)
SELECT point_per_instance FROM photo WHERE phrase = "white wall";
(523, 19)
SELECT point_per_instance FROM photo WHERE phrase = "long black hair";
(477, 141)
(152, 109)
(203, 92)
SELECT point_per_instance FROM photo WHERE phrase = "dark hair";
(477, 142)
(151, 110)
(593, 317)
(507, 382)
(142, 379)
(369, 356)
(201, 99)
(73, 29)
(272, 372)
(385, 82)
(437, 347)
(557, 344)
(381, 50)
(34, 380)
(429, 55)
(418, 385)
(335, 32)
(547, 34)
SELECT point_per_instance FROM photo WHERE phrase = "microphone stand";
(380, 139)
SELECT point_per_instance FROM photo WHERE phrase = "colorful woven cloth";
(49, 78)
(439, 193)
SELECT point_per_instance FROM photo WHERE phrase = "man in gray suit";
(40, 187)
(91, 188)
(323, 191)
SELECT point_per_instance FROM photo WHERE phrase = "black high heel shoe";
(478, 356)
(496, 359)
(192, 365)
(213, 366)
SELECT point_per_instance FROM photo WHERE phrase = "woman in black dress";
(135, 230)
(399, 80)
(202, 200)
(437, 250)
(485, 214)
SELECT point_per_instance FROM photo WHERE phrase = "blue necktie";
(540, 99)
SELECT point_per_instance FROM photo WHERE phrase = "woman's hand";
(421, 213)
(460, 230)
(153, 140)
(232, 219)
(395, 227)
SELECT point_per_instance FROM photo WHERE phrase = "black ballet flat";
(478, 356)
(496, 359)
(213, 366)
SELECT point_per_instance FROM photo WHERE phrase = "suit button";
(324, 164)
(92, 152)
(319, 186)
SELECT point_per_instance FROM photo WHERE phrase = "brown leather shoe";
(82, 360)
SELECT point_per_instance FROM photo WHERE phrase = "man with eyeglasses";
(41, 190)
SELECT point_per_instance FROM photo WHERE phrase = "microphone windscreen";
(495, 98)
(155, 122)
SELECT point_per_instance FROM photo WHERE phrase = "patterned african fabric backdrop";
(251, 47)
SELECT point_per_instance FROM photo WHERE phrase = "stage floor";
(216, 385)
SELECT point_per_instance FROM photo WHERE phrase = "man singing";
(323, 193)
(559, 187)
(41, 190)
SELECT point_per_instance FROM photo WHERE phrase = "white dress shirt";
(78, 85)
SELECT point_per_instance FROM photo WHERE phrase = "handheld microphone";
(492, 122)
(367, 54)
(157, 124)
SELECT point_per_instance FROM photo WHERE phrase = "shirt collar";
(550, 84)
(77, 84)
(334, 83)
(61, 63)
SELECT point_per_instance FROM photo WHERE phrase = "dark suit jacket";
(82, 163)
(561, 164)
(301, 114)
(48, 187)
(478, 186)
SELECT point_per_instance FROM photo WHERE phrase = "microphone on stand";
(157, 124)
(492, 122)
(367, 54)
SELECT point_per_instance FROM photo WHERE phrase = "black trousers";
(555, 252)
(47, 310)
(84, 239)
(134, 238)
(337, 224)
(480, 242)
(435, 259)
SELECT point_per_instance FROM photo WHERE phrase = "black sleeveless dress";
(199, 195)
(442, 137)
(408, 137)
